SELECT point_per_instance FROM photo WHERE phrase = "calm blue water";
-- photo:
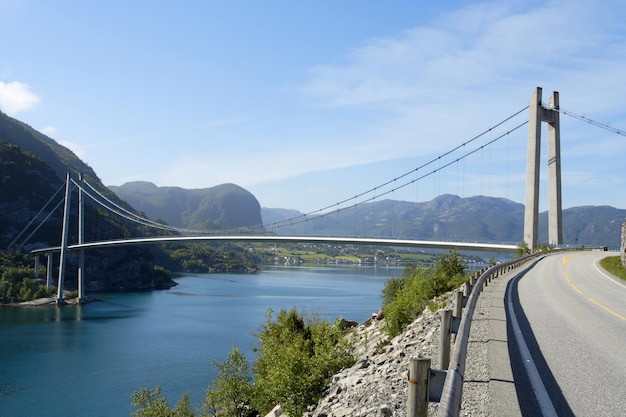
(87, 360)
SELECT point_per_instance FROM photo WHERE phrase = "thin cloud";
(475, 48)
(78, 150)
(16, 97)
(433, 86)
(49, 131)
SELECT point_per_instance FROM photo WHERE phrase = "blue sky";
(308, 103)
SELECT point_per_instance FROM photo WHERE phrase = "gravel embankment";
(377, 384)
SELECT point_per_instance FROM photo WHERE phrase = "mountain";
(32, 168)
(449, 217)
(588, 225)
(56, 156)
(274, 215)
(222, 206)
(26, 183)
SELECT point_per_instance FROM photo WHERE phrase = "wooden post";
(417, 401)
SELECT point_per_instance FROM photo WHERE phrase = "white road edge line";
(606, 276)
(545, 404)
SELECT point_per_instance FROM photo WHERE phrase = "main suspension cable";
(374, 189)
(301, 219)
(592, 122)
(122, 212)
(35, 218)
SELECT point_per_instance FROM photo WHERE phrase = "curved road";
(572, 316)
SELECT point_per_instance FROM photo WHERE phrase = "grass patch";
(613, 264)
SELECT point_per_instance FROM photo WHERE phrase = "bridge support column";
(81, 240)
(37, 267)
(64, 237)
(537, 115)
(50, 256)
(555, 210)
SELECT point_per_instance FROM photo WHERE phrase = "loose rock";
(377, 384)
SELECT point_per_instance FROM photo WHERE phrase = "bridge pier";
(64, 237)
(537, 115)
(50, 259)
(81, 240)
(37, 267)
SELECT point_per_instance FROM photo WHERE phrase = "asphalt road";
(572, 316)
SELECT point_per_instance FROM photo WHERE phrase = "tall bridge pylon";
(537, 115)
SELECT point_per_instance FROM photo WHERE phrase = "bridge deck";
(460, 246)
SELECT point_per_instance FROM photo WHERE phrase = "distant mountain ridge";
(450, 217)
(222, 206)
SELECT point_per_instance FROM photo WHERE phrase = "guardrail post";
(458, 303)
(456, 315)
(417, 401)
(444, 339)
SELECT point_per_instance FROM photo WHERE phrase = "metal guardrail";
(452, 395)
(426, 384)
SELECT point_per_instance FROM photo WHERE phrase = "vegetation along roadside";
(296, 356)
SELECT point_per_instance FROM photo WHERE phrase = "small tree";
(152, 404)
(450, 264)
(523, 249)
(230, 394)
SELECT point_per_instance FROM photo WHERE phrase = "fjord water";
(87, 360)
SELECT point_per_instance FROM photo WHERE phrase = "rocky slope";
(377, 385)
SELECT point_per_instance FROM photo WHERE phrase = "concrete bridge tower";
(537, 115)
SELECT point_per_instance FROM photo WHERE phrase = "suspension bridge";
(537, 114)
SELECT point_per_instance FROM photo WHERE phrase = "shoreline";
(52, 301)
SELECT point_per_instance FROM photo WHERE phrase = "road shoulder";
(504, 401)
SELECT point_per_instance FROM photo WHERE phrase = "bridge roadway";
(460, 246)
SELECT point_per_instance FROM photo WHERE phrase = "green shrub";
(406, 297)
(523, 249)
(296, 358)
(295, 361)
(230, 395)
(151, 403)
(16, 282)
